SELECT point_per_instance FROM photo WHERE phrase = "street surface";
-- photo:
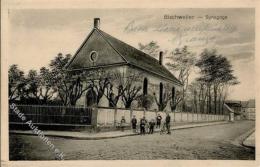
(210, 142)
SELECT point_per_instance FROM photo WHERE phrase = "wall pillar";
(115, 116)
(131, 114)
(94, 116)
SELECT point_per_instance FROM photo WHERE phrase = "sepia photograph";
(131, 84)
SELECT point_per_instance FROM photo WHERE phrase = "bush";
(145, 101)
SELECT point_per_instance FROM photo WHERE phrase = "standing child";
(151, 126)
(142, 126)
(158, 121)
(147, 124)
(134, 122)
(168, 123)
(122, 123)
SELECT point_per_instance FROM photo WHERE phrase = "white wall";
(107, 117)
(153, 86)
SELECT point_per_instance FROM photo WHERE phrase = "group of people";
(147, 127)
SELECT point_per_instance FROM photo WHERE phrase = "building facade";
(249, 109)
(103, 51)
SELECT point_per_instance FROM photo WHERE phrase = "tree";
(206, 64)
(68, 84)
(177, 99)
(151, 48)
(127, 88)
(145, 101)
(31, 89)
(225, 79)
(130, 87)
(76, 88)
(114, 88)
(111, 96)
(202, 95)
(216, 71)
(193, 90)
(60, 77)
(71, 85)
(97, 82)
(46, 90)
(129, 93)
(166, 96)
(16, 82)
(182, 61)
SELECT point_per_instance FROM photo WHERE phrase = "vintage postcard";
(130, 82)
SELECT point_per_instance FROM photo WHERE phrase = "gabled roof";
(233, 103)
(249, 104)
(245, 104)
(134, 57)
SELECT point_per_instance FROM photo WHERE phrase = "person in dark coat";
(142, 126)
(168, 122)
(151, 126)
(134, 122)
(122, 123)
(158, 121)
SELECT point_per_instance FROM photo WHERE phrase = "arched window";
(91, 98)
(161, 93)
(145, 86)
(173, 94)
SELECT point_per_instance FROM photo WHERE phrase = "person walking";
(122, 123)
(168, 122)
(142, 126)
(134, 122)
(158, 121)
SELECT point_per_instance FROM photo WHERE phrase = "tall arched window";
(173, 94)
(91, 98)
(145, 86)
(161, 93)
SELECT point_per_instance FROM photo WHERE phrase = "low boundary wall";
(111, 117)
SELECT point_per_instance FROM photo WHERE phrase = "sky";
(37, 35)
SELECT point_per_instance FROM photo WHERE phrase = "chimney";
(97, 23)
(161, 58)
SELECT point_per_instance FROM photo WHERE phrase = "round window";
(93, 56)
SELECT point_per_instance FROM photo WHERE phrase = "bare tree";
(166, 96)
(145, 101)
(182, 61)
(177, 99)
(97, 82)
(112, 97)
(114, 88)
(129, 86)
